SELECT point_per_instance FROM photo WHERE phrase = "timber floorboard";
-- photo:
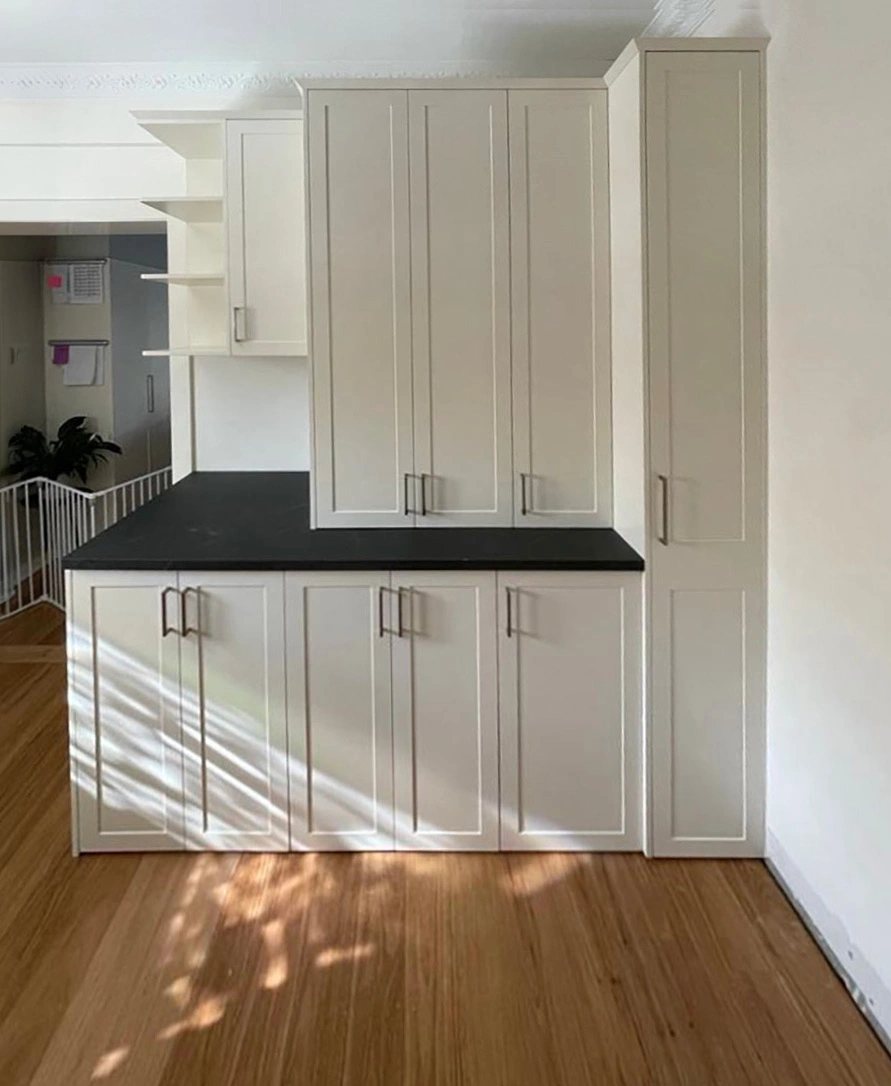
(386, 970)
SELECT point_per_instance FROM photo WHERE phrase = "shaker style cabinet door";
(360, 297)
(126, 749)
(559, 225)
(445, 711)
(460, 300)
(339, 712)
(233, 706)
(266, 237)
(570, 705)
(707, 445)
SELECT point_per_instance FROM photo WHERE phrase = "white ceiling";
(430, 37)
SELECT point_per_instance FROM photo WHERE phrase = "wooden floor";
(415, 970)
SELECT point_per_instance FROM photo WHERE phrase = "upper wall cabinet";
(560, 305)
(266, 240)
(236, 236)
(459, 299)
(461, 305)
(360, 299)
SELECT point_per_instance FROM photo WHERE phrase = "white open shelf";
(185, 279)
(190, 208)
(195, 136)
(167, 352)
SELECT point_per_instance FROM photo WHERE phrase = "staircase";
(42, 521)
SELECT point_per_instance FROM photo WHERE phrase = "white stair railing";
(42, 521)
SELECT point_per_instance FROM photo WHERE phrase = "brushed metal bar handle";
(239, 337)
(381, 628)
(166, 628)
(400, 623)
(663, 533)
(509, 628)
(525, 507)
(186, 629)
(150, 394)
(424, 508)
(406, 509)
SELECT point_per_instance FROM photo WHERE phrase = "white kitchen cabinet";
(445, 711)
(126, 729)
(266, 236)
(559, 225)
(177, 711)
(570, 702)
(706, 562)
(360, 299)
(233, 708)
(339, 711)
(460, 237)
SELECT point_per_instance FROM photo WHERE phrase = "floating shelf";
(190, 208)
(168, 352)
(185, 279)
(190, 137)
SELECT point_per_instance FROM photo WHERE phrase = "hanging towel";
(82, 366)
(60, 354)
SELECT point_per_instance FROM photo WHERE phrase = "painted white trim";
(864, 985)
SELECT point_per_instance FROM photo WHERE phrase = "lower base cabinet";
(177, 701)
(569, 652)
(355, 711)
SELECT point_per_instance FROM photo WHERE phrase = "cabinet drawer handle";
(381, 628)
(186, 629)
(166, 628)
(509, 626)
(406, 509)
(525, 507)
(239, 330)
(424, 507)
(663, 489)
(400, 622)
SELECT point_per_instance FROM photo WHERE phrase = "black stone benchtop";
(260, 521)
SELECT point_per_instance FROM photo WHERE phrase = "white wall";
(829, 657)
(251, 414)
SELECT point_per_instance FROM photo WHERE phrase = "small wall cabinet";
(236, 238)
(266, 240)
(389, 736)
(178, 711)
(457, 279)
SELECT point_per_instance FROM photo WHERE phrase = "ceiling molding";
(679, 18)
(131, 81)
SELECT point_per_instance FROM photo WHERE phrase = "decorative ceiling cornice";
(131, 81)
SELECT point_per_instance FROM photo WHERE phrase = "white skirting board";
(872, 997)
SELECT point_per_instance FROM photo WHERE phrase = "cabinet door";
(560, 308)
(707, 442)
(445, 715)
(339, 712)
(233, 705)
(461, 305)
(570, 704)
(266, 237)
(360, 297)
(127, 758)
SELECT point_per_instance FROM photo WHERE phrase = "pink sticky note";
(54, 281)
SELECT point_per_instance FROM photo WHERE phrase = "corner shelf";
(168, 352)
(195, 136)
(185, 279)
(190, 208)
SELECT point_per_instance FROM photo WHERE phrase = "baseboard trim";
(854, 989)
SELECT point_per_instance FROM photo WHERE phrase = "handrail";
(43, 520)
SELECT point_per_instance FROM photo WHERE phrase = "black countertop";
(260, 521)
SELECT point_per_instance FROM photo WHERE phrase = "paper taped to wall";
(86, 366)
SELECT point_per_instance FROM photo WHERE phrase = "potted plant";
(74, 451)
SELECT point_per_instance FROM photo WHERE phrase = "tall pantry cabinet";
(459, 295)
(688, 367)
